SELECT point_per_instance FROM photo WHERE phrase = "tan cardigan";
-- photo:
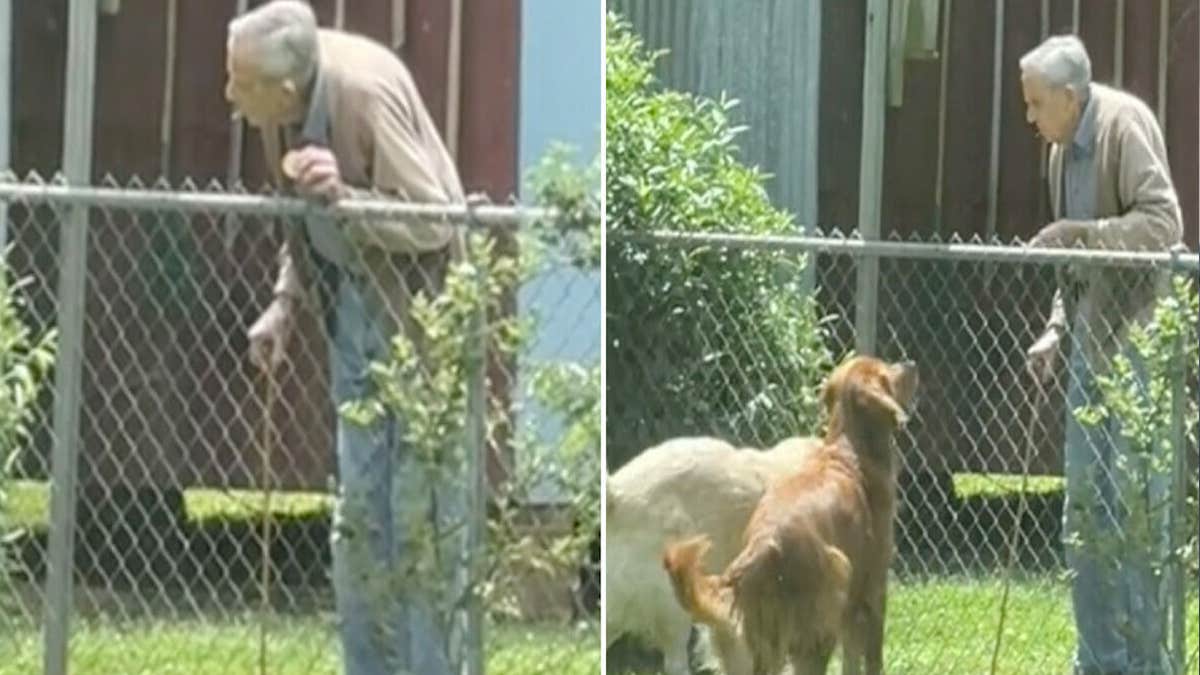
(384, 140)
(1137, 210)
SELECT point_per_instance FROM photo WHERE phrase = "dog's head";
(867, 390)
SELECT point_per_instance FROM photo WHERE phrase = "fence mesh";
(730, 337)
(179, 460)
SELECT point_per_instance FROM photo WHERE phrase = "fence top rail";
(1179, 259)
(196, 201)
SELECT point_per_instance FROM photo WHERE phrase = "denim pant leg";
(385, 629)
(1146, 516)
(1114, 593)
(435, 633)
(362, 539)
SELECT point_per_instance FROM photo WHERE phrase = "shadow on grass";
(966, 534)
(135, 538)
(131, 539)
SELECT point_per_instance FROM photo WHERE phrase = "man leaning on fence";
(1110, 187)
(350, 119)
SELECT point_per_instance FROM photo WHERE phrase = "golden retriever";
(677, 489)
(814, 567)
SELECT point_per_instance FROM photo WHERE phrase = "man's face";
(1054, 111)
(259, 99)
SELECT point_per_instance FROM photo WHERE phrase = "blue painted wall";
(560, 77)
(560, 101)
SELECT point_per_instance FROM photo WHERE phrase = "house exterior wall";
(175, 400)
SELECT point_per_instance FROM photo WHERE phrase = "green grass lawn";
(949, 626)
(295, 646)
(946, 625)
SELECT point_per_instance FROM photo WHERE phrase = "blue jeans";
(387, 625)
(1117, 599)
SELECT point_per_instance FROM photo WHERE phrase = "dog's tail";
(704, 596)
(762, 562)
(840, 570)
(817, 581)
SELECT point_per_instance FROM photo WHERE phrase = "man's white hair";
(280, 37)
(1060, 61)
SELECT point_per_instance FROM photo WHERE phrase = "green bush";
(426, 385)
(1143, 401)
(557, 183)
(700, 339)
(25, 362)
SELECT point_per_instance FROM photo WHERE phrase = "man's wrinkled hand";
(315, 172)
(1042, 356)
(1061, 234)
(269, 335)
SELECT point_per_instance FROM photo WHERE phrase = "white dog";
(672, 491)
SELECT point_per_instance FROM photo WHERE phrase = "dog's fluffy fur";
(818, 545)
(681, 488)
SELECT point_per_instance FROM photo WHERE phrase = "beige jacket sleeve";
(404, 160)
(1151, 218)
(1058, 313)
(288, 282)
(1057, 322)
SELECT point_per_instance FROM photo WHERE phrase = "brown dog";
(814, 567)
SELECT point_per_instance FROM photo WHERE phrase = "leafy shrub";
(25, 362)
(557, 183)
(701, 339)
(428, 387)
(1142, 399)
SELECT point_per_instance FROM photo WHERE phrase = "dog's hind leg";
(674, 645)
(853, 644)
(873, 635)
(732, 652)
(812, 659)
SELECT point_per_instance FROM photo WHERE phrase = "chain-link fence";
(189, 528)
(730, 336)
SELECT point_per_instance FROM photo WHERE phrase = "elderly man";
(1110, 187)
(351, 116)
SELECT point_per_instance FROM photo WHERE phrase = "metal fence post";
(993, 196)
(77, 164)
(870, 182)
(6, 48)
(1164, 34)
(1178, 518)
(476, 441)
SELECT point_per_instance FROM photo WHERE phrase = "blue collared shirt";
(325, 234)
(1079, 166)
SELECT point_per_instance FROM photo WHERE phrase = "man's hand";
(1042, 356)
(1061, 234)
(315, 172)
(269, 335)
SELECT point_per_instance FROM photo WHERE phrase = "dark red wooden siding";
(200, 408)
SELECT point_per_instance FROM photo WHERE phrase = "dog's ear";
(903, 377)
(872, 394)
(831, 390)
(829, 395)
